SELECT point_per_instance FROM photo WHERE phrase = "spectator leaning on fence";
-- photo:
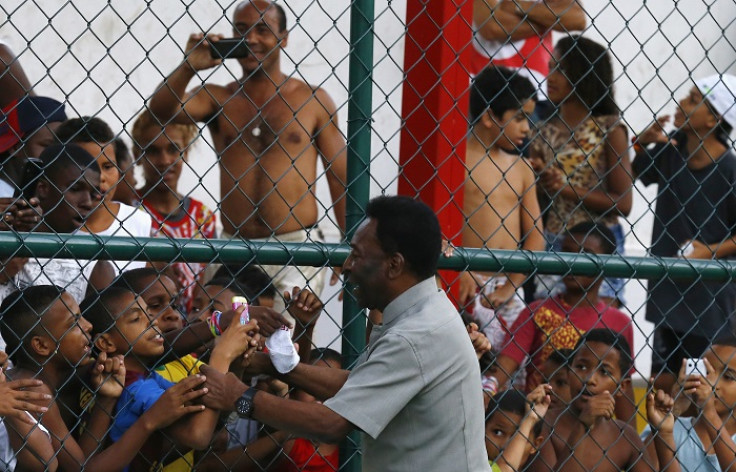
(585, 437)
(500, 199)
(122, 325)
(268, 129)
(695, 218)
(49, 339)
(415, 392)
(582, 153)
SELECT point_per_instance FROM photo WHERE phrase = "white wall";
(664, 44)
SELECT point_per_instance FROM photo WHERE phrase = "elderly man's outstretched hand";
(222, 389)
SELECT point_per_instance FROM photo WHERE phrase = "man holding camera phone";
(268, 129)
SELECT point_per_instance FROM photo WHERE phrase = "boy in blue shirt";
(122, 325)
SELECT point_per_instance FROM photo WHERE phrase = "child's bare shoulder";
(558, 425)
(525, 167)
(629, 447)
(22, 374)
(626, 431)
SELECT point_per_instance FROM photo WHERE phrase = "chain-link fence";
(161, 159)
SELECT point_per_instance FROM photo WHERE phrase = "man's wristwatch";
(244, 405)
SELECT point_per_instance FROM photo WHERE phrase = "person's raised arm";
(644, 165)
(558, 15)
(305, 307)
(106, 380)
(31, 444)
(192, 337)
(495, 23)
(662, 423)
(196, 431)
(333, 150)
(307, 420)
(538, 402)
(14, 83)
(170, 101)
(178, 401)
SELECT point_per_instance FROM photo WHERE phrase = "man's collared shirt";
(415, 392)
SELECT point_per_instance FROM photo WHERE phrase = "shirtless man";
(268, 129)
(500, 202)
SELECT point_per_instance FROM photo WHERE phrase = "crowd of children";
(103, 358)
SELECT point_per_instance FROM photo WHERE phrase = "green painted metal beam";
(314, 254)
(360, 111)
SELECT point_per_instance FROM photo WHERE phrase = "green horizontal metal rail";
(50, 245)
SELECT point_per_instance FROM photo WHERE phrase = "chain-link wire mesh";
(161, 159)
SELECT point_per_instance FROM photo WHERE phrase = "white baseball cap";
(720, 91)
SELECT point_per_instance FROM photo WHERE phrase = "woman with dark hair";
(581, 152)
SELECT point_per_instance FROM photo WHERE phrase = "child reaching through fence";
(122, 325)
(514, 426)
(585, 437)
(707, 440)
(48, 339)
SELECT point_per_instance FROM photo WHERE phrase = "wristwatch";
(244, 405)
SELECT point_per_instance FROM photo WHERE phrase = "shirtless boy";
(584, 437)
(501, 204)
(268, 129)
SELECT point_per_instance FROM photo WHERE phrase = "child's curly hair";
(145, 120)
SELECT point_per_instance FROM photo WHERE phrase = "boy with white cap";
(695, 218)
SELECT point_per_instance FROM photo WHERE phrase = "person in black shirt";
(695, 218)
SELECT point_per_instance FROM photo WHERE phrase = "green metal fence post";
(358, 185)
